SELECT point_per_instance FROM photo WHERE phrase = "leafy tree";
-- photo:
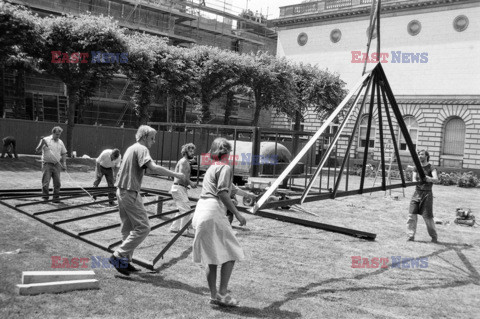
(19, 36)
(20, 43)
(271, 81)
(218, 71)
(144, 51)
(83, 34)
(177, 76)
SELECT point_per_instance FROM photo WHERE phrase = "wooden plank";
(35, 277)
(58, 286)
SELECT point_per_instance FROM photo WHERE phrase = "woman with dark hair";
(215, 243)
(422, 199)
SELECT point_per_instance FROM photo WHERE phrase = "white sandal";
(226, 301)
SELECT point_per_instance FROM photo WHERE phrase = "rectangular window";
(414, 137)
(363, 137)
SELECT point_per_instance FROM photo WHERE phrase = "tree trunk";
(298, 120)
(228, 108)
(144, 94)
(258, 108)
(2, 89)
(72, 106)
(184, 110)
(205, 113)
(296, 128)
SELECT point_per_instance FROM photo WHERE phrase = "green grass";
(290, 271)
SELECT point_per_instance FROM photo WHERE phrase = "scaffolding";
(216, 23)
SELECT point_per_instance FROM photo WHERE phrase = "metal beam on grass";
(65, 221)
(307, 223)
(62, 198)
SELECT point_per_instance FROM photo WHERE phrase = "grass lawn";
(290, 271)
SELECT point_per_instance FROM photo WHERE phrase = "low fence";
(87, 139)
(92, 140)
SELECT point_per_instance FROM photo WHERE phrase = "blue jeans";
(51, 171)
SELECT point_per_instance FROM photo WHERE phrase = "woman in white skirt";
(215, 243)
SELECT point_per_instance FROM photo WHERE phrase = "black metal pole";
(392, 133)
(380, 125)
(369, 127)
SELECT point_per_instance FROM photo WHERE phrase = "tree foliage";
(20, 39)
(82, 34)
(218, 71)
(144, 52)
(196, 75)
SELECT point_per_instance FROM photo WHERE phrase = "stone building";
(429, 51)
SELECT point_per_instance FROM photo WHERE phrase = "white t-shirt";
(105, 159)
(53, 154)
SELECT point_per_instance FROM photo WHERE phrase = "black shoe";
(112, 204)
(131, 268)
(117, 263)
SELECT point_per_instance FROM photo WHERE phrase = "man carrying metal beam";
(179, 190)
(135, 224)
(422, 199)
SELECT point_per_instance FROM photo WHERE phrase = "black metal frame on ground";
(6, 196)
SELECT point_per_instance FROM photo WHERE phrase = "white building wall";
(453, 66)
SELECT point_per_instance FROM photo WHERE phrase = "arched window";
(362, 141)
(412, 127)
(454, 137)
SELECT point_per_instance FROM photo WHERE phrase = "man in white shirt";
(107, 164)
(54, 159)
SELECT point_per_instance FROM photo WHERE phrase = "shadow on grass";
(473, 277)
(273, 313)
(157, 280)
(153, 277)
(174, 261)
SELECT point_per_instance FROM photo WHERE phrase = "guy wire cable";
(75, 183)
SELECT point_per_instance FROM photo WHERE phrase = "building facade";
(184, 22)
(429, 51)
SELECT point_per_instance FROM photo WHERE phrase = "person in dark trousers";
(107, 164)
(9, 147)
(54, 160)
(422, 200)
